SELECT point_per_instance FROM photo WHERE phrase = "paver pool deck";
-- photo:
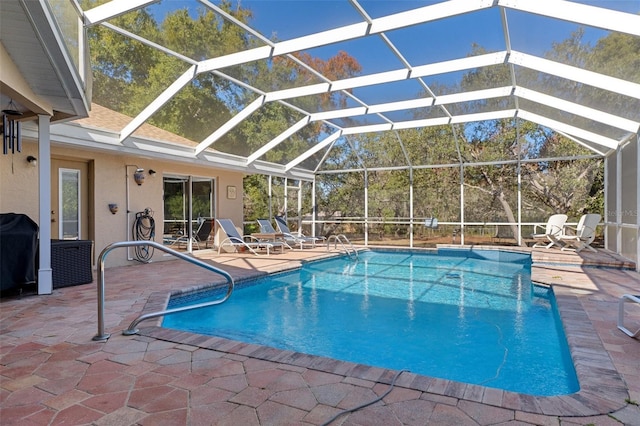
(53, 373)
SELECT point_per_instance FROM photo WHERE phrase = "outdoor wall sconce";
(152, 172)
(138, 176)
(33, 161)
(113, 208)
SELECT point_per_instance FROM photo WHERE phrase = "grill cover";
(18, 250)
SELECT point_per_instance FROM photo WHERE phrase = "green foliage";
(128, 75)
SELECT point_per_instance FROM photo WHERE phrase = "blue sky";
(442, 40)
(447, 39)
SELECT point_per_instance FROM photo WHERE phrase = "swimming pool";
(475, 319)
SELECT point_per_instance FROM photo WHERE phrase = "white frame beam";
(563, 10)
(583, 14)
(112, 9)
(567, 128)
(579, 75)
(226, 127)
(169, 92)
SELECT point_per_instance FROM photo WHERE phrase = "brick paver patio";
(53, 373)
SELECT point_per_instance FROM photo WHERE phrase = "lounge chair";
(583, 235)
(281, 223)
(627, 298)
(287, 239)
(236, 240)
(552, 230)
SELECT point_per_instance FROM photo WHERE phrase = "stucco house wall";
(107, 179)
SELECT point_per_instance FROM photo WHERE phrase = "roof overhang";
(38, 72)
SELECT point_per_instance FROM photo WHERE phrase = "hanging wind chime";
(11, 140)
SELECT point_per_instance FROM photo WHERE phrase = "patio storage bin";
(71, 262)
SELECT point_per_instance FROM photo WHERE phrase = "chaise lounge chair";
(583, 235)
(553, 230)
(287, 239)
(281, 223)
(236, 240)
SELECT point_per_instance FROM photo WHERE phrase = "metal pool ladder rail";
(101, 336)
(342, 239)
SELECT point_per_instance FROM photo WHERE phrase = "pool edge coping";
(602, 389)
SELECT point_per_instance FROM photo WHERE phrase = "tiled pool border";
(602, 390)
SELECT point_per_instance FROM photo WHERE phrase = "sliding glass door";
(188, 204)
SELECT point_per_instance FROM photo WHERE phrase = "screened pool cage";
(403, 216)
(369, 118)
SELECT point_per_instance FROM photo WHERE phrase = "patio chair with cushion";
(552, 230)
(582, 236)
(248, 242)
(281, 223)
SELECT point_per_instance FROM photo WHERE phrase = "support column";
(314, 208)
(619, 200)
(461, 204)
(637, 259)
(366, 208)
(270, 195)
(411, 227)
(45, 274)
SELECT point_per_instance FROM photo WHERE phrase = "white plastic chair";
(553, 229)
(583, 235)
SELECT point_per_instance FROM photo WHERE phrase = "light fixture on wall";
(152, 172)
(33, 161)
(11, 140)
(113, 208)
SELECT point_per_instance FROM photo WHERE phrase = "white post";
(285, 203)
(637, 259)
(411, 207)
(618, 200)
(314, 207)
(638, 203)
(190, 215)
(300, 204)
(606, 204)
(366, 208)
(461, 204)
(519, 180)
(45, 273)
(270, 195)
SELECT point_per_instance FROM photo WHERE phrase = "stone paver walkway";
(52, 373)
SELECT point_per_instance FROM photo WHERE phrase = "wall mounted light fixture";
(113, 208)
(32, 160)
(152, 172)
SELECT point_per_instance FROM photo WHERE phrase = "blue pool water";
(475, 319)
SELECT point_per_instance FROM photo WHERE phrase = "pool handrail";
(341, 238)
(102, 336)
